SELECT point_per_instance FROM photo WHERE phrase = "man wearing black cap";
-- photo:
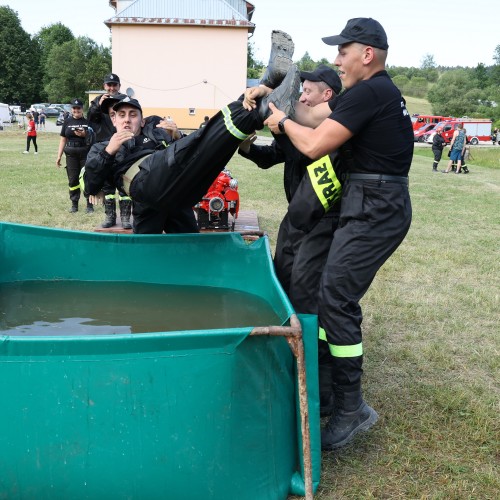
(372, 130)
(164, 177)
(74, 145)
(104, 129)
(300, 256)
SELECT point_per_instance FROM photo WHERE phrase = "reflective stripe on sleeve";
(324, 182)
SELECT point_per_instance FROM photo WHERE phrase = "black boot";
(283, 97)
(110, 213)
(125, 212)
(435, 166)
(325, 373)
(326, 396)
(280, 59)
(351, 415)
(90, 208)
(74, 207)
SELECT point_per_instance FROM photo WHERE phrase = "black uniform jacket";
(102, 167)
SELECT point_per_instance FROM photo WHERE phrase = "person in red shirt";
(31, 137)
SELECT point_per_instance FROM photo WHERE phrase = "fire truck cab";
(419, 121)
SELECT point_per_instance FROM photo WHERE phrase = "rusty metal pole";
(293, 335)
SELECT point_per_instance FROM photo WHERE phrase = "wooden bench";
(247, 223)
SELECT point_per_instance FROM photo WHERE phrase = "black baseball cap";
(112, 78)
(76, 103)
(323, 73)
(118, 103)
(363, 30)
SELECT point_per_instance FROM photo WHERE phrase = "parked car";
(38, 107)
(52, 111)
(419, 134)
(61, 118)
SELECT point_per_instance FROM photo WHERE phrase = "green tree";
(306, 63)
(481, 76)
(254, 67)
(402, 82)
(428, 62)
(458, 94)
(20, 61)
(74, 67)
(48, 36)
(417, 87)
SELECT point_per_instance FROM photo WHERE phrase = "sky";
(458, 33)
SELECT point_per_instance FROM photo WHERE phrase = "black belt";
(75, 144)
(377, 177)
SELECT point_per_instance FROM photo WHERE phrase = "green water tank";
(208, 414)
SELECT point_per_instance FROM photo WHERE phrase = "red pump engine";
(222, 199)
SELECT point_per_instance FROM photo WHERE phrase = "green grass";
(431, 336)
(420, 106)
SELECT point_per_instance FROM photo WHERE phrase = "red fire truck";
(420, 120)
(477, 130)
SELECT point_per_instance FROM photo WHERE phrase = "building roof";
(217, 13)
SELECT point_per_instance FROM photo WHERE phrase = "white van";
(5, 116)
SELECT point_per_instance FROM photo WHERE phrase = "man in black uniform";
(104, 129)
(438, 144)
(163, 180)
(372, 130)
(300, 256)
(74, 144)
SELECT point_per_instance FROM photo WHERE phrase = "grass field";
(431, 322)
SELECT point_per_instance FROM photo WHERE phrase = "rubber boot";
(435, 166)
(125, 212)
(110, 213)
(280, 59)
(283, 97)
(90, 208)
(325, 375)
(326, 395)
(74, 207)
(351, 415)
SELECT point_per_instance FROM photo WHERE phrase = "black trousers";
(300, 257)
(30, 139)
(374, 219)
(75, 161)
(179, 176)
(148, 220)
(438, 153)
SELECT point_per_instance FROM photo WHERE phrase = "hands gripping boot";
(283, 97)
(109, 213)
(280, 60)
(125, 213)
(350, 416)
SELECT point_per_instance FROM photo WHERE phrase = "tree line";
(55, 66)
(51, 66)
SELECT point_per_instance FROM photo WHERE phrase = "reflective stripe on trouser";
(342, 351)
(317, 193)
(74, 165)
(181, 174)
